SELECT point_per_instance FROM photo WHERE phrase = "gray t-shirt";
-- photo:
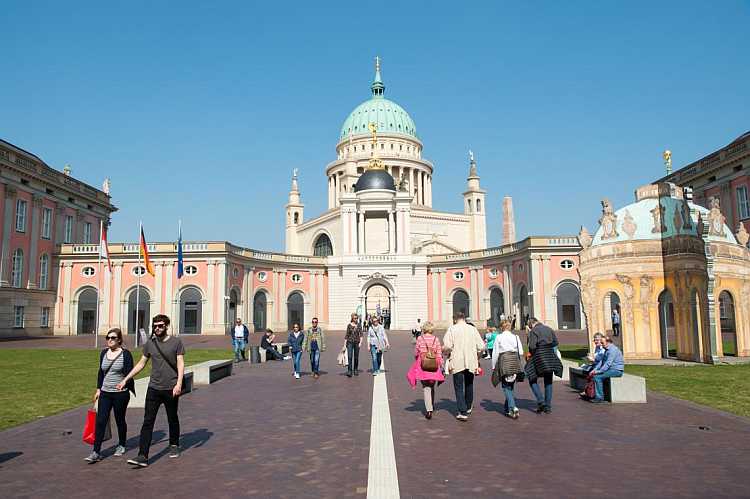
(163, 377)
(115, 373)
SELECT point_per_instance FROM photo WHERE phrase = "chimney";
(509, 221)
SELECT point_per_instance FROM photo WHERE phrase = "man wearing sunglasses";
(240, 335)
(164, 387)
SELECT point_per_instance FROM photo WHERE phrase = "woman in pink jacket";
(427, 342)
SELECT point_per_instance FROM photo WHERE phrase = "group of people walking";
(116, 371)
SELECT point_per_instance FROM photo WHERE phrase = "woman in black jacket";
(115, 362)
(542, 362)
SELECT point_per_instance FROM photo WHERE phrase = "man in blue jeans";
(612, 366)
(240, 335)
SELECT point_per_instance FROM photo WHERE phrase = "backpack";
(428, 361)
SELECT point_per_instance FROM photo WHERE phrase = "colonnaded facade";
(380, 246)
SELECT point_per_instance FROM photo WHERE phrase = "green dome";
(389, 116)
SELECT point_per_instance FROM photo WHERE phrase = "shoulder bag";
(428, 361)
(155, 341)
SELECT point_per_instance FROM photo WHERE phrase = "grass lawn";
(725, 387)
(38, 383)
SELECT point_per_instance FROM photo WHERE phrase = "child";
(490, 339)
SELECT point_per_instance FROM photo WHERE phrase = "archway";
(191, 311)
(144, 310)
(666, 325)
(378, 302)
(234, 299)
(613, 317)
(461, 302)
(86, 311)
(568, 306)
(260, 311)
(295, 307)
(323, 246)
(523, 306)
(728, 324)
(497, 304)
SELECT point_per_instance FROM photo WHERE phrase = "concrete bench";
(282, 348)
(210, 371)
(626, 389)
(141, 386)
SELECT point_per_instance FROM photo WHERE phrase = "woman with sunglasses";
(115, 362)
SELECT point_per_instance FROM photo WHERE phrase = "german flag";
(144, 254)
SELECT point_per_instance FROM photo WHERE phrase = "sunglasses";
(113, 338)
(160, 326)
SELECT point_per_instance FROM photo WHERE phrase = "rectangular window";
(68, 229)
(21, 215)
(43, 271)
(87, 233)
(44, 318)
(18, 316)
(743, 208)
(46, 223)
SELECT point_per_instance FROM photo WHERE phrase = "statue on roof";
(716, 219)
(608, 221)
(106, 186)
(403, 183)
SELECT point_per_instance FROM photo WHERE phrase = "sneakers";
(462, 417)
(356, 373)
(547, 409)
(539, 408)
(139, 460)
(428, 415)
(287, 357)
(94, 457)
(316, 375)
(348, 374)
(174, 451)
(296, 375)
(597, 401)
(119, 451)
(375, 373)
(468, 411)
(513, 413)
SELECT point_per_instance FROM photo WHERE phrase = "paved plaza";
(262, 433)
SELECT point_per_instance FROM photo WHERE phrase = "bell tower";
(294, 217)
(474, 207)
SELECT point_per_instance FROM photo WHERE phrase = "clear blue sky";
(201, 112)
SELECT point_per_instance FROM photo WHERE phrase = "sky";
(200, 110)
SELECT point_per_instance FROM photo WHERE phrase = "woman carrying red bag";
(427, 366)
(115, 362)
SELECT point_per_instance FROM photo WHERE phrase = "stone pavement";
(261, 433)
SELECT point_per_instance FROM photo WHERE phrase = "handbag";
(428, 361)
(89, 426)
(343, 357)
(590, 389)
(520, 375)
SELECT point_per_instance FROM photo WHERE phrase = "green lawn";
(38, 383)
(725, 387)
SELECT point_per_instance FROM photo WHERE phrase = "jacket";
(318, 335)
(612, 359)
(246, 333)
(544, 360)
(127, 361)
(465, 343)
(295, 344)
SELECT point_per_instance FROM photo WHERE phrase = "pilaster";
(5, 263)
(36, 207)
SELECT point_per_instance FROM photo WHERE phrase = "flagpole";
(138, 285)
(98, 287)
(176, 331)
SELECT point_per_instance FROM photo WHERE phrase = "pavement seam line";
(382, 475)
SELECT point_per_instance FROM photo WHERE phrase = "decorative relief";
(687, 222)
(627, 303)
(646, 292)
(742, 236)
(716, 219)
(584, 238)
(677, 220)
(658, 215)
(608, 221)
(629, 225)
(701, 226)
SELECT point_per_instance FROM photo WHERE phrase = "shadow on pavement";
(195, 438)
(7, 456)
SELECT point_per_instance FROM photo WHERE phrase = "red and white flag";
(104, 247)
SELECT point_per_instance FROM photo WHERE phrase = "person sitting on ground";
(266, 343)
(612, 366)
(489, 338)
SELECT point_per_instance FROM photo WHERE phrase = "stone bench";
(210, 371)
(626, 389)
(282, 348)
(141, 385)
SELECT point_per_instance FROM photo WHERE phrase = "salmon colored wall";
(520, 275)
(303, 286)
(268, 283)
(558, 273)
(465, 283)
(493, 281)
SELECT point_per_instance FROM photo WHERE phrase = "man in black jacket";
(240, 335)
(542, 362)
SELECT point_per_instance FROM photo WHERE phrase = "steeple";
(294, 195)
(377, 87)
(473, 179)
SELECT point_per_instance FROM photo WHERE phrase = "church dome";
(375, 179)
(386, 114)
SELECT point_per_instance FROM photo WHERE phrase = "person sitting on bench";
(612, 366)
(266, 343)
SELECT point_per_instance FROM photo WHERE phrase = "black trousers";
(154, 399)
(107, 401)
(352, 351)
(463, 384)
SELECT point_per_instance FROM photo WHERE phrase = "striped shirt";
(115, 374)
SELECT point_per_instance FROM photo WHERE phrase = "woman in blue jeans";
(377, 340)
(295, 340)
(507, 350)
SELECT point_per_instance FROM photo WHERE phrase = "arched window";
(461, 302)
(17, 269)
(43, 271)
(323, 246)
(479, 206)
(468, 205)
(296, 218)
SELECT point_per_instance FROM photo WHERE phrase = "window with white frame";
(21, 215)
(43, 271)
(567, 264)
(494, 272)
(191, 270)
(262, 276)
(88, 271)
(17, 269)
(235, 272)
(743, 207)
(87, 233)
(46, 223)
(18, 316)
(139, 270)
(44, 317)
(68, 236)
(297, 278)
(458, 276)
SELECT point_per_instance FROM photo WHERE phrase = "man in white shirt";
(463, 344)
(417, 330)
(240, 335)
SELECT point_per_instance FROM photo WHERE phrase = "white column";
(445, 300)
(248, 295)
(68, 295)
(159, 268)
(117, 290)
(436, 305)
(391, 233)
(9, 210)
(507, 291)
(107, 283)
(412, 185)
(208, 317)
(483, 298)
(275, 314)
(361, 233)
(33, 265)
(429, 190)
(221, 291)
(282, 298)
(420, 194)
(313, 293)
